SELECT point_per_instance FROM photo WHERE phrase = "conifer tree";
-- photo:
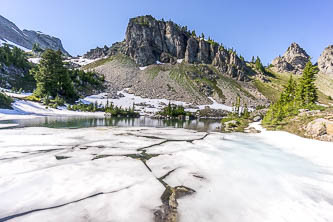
(307, 92)
(53, 78)
(259, 65)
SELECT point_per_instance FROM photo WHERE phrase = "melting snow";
(5, 41)
(34, 60)
(271, 176)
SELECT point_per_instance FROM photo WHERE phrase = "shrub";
(5, 101)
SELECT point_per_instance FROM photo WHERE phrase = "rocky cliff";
(325, 61)
(11, 34)
(149, 41)
(293, 60)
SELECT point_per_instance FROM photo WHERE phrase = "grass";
(296, 124)
(180, 74)
(32, 98)
(241, 123)
(123, 59)
(97, 63)
(268, 91)
(154, 70)
(275, 84)
(277, 81)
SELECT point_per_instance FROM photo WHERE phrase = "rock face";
(96, 53)
(10, 33)
(325, 61)
(13, 77)
(320, 129)
(293, 60)
(149, 41)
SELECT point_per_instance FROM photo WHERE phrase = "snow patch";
(151, 107)
(5, 41)
(82, 61)
(34, 60)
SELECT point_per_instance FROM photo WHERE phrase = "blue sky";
(252, 27)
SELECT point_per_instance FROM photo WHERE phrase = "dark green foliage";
(120, 112)
(294, 97)
(5, 101)
(174, 111)
(85, 82)
(37, 49)
(194, 34)
(286, 106)
(259, 66)
(109, 108)
(307, 92)
(239, 114)
(236, 106)
(15, 57)
(330, 97)
(92, 107)
(53, 78)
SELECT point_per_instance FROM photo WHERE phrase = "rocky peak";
(11, 34)
(98, 52)
(149, 40)
(293, 60)
(325, 61)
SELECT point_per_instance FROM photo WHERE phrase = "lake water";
(202, 125)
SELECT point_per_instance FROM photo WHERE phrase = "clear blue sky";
(253, 27)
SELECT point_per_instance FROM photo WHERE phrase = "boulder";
(252, 130)
(319, 127)
(257, 118)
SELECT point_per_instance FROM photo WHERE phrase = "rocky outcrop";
(11, 34)
(325, 61)
(149, 41)
(12, 77)
(106, 51)
(293, 60)
(321, 129)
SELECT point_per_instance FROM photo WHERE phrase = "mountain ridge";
(149, 41)
(10, 33)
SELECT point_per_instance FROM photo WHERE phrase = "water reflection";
(83, 122)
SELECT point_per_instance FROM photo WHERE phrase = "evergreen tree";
(289, 94)
(253, 60)
(307, 92)
(36, 48)
(53, 78)
(259, 65)
(294, 97)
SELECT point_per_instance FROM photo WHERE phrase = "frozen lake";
(122, 173)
